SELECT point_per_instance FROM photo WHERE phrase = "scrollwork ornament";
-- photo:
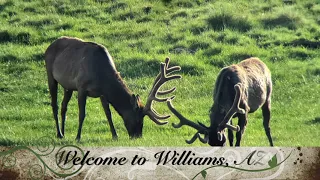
(8, 160)
(38, 171)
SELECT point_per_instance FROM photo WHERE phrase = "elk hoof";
(78, 139)
(115, 138)
(59, 135)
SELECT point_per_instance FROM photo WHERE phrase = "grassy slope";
(201, 36)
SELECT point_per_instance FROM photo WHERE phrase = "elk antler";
(184, 121)
(232, 111)
(161, 79)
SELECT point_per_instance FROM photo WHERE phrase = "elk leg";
(53, 88)
(266, 119)
(230, 135)
(82, 97)
(107, 111)
(242, 122)
(64, 104)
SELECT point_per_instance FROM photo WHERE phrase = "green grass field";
(201, 36)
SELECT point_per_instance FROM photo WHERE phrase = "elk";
(88, 68)
(239, 89)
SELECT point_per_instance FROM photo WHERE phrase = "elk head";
(213, 135)
(139, 111)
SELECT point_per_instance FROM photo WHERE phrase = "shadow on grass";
(30, 9)
(138, 67)
(6, 4)
(9, 58)
(7, 142)
(116, 7)
(16, 69)
(212, 51)
(38, 57)
(239, 56)
(14, 59)
(21, 37)
(300, 54)
(181, 14)
(283, 20)
(315, 72)
(39, 23)
(143, 20)
(303, 42)
(50, 141)
(220, 22)
(64, 26)
(232, 59)
(316, 120)
(195, 46)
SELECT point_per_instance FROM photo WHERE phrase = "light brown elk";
(88, 68)
(239, 89)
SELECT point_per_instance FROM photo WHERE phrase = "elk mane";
(235, 74)
(122, 82)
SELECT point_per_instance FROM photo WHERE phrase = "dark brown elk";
(88, 68)
(239, 89)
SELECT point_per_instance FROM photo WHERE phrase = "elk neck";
(224, 93)
(119, 95)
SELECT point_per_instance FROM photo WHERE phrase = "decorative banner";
(74, 162)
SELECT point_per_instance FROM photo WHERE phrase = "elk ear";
(138, 98)
(134, 101)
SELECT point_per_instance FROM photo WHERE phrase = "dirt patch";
(314, 170)
(8, 175)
